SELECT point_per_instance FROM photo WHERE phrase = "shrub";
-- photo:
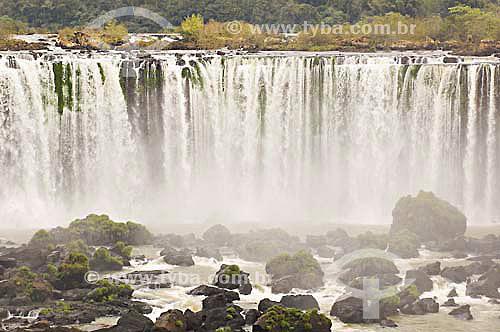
(104, 261)
(192, 27)
(109, 292)
(72, 271)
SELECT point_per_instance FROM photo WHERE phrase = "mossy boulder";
(108, 292)
(231, 277)
(429, 217)
(171, 321)
(94, 230)
(404, 243)
(280, 319)
(367, 267)
(24, 285)
(71, 273)
(300, 270)
(104, 261)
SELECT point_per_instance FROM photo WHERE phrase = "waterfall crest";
(245, 138)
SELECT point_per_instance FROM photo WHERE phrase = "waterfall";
(267, 138)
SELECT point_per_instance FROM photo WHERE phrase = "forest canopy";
(52, 15)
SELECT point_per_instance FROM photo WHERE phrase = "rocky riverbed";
(101, 275)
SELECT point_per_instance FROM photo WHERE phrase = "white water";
(265, 138)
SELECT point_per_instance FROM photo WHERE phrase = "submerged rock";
(430, 218)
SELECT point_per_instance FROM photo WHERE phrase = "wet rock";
(21, 301)
(175, 257)
(450, 59)
(421, 307)
(4, 313)
(218, 235)
(404, 244)
(450, 303)
(219, 300)
(462, 313)
(76, 294)
(457, 274)
(453, 293)
(302, 302)
(193, 320)
(367, 267)
(421, 280)
(429, 217)
(298, 271)
(349, 310)
(265, 304)
(131, 322)
(251, 316)
(171, 321)
(208, 252)
(229, 316)
(487, 285)
(432, 269)
(292, 320)
(205, 290)
(231, 277)
(8, 262)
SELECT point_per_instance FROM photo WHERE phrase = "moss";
(229, 317)
(231, 310)
(103, 74)
(281, 319)
(71, 273)
(58, 70)
(179, 323)
(224, 329)
(109, 292)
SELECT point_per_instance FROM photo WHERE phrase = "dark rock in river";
(208, 252)
(171, 321)
(251, 316)
(429, 217)
(367, 267)
(457, 274)
(450, 303)
(421, 280)
(218, 235)
(487, 285)
(231, 277)
(302, 302)
(265, 304)
(219, 300)
(432, 269)
(131, 322)
(205, 290)
(292, 320)
(421, 307)
(174, 257)
(462, 313)
(298, 271)
(453, 293)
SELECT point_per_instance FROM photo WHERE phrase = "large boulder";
(421, 307)
(367, 267)
(218, 235)
(176, 257)
(349, 310)
(487, 285)
(231, 277)
(457, 274)
(228, 318)
(266, 304)
(302, 302)
(404, 243)
(421, 280)
(219, 300)
(298, 271)
(280, 319)
(171, 321)
(132, 321)
(432, 269)
(462, 313)
(430, 218)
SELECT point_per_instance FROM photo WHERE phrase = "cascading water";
(253, 138)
